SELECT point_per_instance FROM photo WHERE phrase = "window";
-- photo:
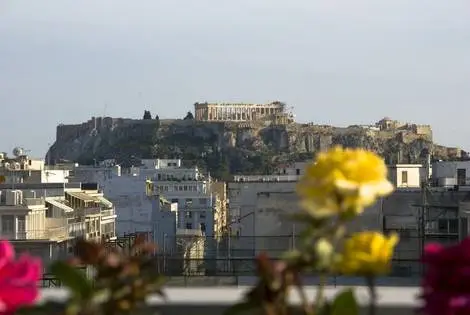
(203, 227)
(461, 176)
(203, 201)
(189, 226)
(8, 224)
(202, 215)
(297, 172)
(188, 214)
(174, 200)
(446, 226)
(454, 226)
(404, 177)
(21, 223)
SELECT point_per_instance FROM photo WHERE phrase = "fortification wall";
(69, 132)
(423, 130)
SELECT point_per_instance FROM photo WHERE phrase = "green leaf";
(242, 307)
(73, 279)
(345, 303)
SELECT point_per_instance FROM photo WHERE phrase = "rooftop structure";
(20, 168)
(237, 111)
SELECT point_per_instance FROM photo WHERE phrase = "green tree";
(147, 115)
(157, 121)
(189, 116)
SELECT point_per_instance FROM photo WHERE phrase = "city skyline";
(336, 62)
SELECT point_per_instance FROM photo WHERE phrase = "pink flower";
(18, 279)
(446, 282)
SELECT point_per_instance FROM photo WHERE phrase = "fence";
(199, 260)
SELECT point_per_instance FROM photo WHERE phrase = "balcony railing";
(33, 201)
(90, 211)
(54, 233)
(107, 213)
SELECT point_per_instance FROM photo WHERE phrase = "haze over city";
(337, 62)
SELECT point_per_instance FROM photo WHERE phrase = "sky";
(338, 62)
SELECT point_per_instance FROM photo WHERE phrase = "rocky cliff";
(224, 147)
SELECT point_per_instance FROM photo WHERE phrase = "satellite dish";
(17, 151)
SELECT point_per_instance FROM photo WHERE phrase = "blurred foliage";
(120, 283)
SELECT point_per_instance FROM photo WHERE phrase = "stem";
(320, 298)
(372, 294)
(303, 297)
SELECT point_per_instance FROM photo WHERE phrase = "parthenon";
(236, 111)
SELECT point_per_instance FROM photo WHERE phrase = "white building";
(23, 169)
(407, 175)
(125, 188)
(190, 190)
(25, 223)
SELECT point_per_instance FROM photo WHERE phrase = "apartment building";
(23, 169)
(125, 188)
(24, 222)
(191, 190)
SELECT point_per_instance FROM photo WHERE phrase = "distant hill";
(227, 147)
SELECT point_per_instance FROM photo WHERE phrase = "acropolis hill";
(238, 138)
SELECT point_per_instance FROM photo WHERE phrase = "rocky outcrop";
(243, 147)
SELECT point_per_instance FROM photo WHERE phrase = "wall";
(414, 175)
(448, 169)
(215, 301)
(244, 198)
(126, 192)
(163, 226)
(262, 208)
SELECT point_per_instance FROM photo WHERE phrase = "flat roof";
(83, 196)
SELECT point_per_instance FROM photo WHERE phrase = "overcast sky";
(337, 62)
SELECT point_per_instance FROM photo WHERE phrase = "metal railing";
(107, 213)
(51, 233)
(232, 260)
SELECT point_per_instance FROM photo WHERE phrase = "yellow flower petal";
(367, 253)
(350, 178)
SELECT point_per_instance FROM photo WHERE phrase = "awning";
(58, 204)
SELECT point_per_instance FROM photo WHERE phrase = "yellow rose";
(342, 180)
(367, 254)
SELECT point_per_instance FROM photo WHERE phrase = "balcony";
(54, 233)
(33, 201)
(214, 301)
(107, 213)
(90, 211)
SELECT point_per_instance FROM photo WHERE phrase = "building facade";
(407, 175)
(24, 169)
(237, 111)
(188, 188)
(48, 226)
(451, 173)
